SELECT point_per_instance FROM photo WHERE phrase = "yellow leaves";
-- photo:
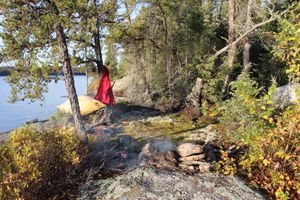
(271, 120)
(281, 177)
(281, 195)
(266, 162)
(283, 155)
(31, 157)
(261, 157)
(252, 111)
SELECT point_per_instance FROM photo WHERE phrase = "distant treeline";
(5, 71)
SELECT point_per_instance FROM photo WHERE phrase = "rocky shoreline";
(153, 156)
(3, 136)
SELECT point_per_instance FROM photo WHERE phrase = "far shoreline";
(4, 136)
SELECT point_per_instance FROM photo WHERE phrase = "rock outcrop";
(149, 183)
(160, 153)
(188, 157)
(187, 149)
(286, 95)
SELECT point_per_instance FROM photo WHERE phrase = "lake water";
(15, 115)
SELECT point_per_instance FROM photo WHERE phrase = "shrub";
(273, 161)
(36, 165)
(288, 43)
(245, 116)
(270, 142)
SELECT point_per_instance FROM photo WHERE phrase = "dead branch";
(224, 49)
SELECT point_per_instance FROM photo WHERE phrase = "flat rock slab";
(192, 158)
(149, 183)
(187, 149)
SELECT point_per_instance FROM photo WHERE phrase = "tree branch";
(224, 49)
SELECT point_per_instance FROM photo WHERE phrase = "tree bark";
(246, 56)
(231, 39)
(97, 44)
(195, 97)
(69, 78)
(69, 81)
(247, 45)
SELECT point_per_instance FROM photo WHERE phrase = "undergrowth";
(38, 164)
(270, 140)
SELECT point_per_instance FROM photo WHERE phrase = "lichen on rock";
(149, 183)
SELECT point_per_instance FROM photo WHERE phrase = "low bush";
(37, 164)
(270, 155)
(245, 116)
(273, 162)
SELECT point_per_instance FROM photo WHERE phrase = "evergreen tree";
(35, 34)
(94, 17)
(111, 57)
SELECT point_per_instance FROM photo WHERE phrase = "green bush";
(245, 116)
(273, 161)
(36, 165)
(270, 141)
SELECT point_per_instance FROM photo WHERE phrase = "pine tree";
(87, 35)
(35, 34)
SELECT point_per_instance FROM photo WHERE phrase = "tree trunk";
(246, 56)
(97, 44)
(127, 12)
(167, 54)
(195, 97)
(69, 81)
(247, 45)
(68, 73)
(98, 51)
(231, 39)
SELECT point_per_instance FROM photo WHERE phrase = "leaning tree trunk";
(69, 81)
(231, 39)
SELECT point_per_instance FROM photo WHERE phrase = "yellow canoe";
(87, 105)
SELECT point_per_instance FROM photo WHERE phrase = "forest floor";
(142, 125)
(123, 177)
(119, 134)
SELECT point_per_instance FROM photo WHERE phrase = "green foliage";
(29, 43)
(288, 43)
(245, 116)
(273, 160)
(35, 165)
(164, 46)
(111, 59)
(272, 157)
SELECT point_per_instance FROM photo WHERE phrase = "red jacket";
(105, 93)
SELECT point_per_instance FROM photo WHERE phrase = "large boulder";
(149, 183)
(285, 95)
